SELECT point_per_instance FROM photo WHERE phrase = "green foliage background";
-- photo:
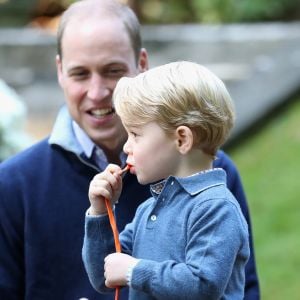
(20, 12)
(269, 164)
(218, 11)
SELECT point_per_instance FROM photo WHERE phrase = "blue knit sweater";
(43, 200)
(191, 239)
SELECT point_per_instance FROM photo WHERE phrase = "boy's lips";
(132, 170)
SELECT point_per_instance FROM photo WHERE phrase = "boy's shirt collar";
(193, 184)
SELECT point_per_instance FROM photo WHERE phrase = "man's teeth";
(101, 112)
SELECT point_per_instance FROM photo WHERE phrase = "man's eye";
(116, 72)
(79, 75)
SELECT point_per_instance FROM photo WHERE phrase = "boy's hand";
(116, 266)
(107, 184)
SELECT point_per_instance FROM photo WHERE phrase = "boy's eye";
(133, 134)
(133, 131)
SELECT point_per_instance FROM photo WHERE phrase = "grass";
(269, 163)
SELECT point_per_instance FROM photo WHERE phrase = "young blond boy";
(190, 239)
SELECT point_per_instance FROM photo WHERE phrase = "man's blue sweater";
(43, 200)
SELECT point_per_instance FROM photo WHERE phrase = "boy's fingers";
(112, 168)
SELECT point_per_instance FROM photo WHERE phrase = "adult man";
(40, 237)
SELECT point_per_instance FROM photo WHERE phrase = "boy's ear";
(184, 139)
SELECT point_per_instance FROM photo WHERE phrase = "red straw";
(114, 228)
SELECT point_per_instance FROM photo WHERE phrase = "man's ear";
(184, 139)
(59, 70)
(143, 63)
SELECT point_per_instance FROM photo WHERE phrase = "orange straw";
(114, 228)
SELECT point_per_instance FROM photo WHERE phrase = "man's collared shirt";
(91, 150)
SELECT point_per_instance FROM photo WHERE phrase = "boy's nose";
(126, 148)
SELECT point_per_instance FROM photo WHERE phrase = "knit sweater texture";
(191, 239)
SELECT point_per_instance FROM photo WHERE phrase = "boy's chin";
(142, 181)
(145, 181)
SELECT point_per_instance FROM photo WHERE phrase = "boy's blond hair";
(175, 94)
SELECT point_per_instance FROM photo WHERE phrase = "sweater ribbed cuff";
(128, 276)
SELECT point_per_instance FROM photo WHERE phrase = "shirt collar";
(67, 134)
(88, 147)
(195, 183)
(63, 134)
(83, 139)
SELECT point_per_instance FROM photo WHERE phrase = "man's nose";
(98, 88)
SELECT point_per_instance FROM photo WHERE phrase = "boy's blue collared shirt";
(191, 237)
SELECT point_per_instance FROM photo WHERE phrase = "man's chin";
(108, 140)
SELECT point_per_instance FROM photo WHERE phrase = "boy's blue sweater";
(43, 200)
(191, 239)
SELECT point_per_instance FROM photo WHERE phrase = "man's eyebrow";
(119, 64)
(74, 68)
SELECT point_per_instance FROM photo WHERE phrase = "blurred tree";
(20, 12)
(15, 13)
(215, 11)
(49, 8)
(45, 14)
(263, 10)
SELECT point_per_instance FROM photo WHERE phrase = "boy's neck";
(195, 161)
